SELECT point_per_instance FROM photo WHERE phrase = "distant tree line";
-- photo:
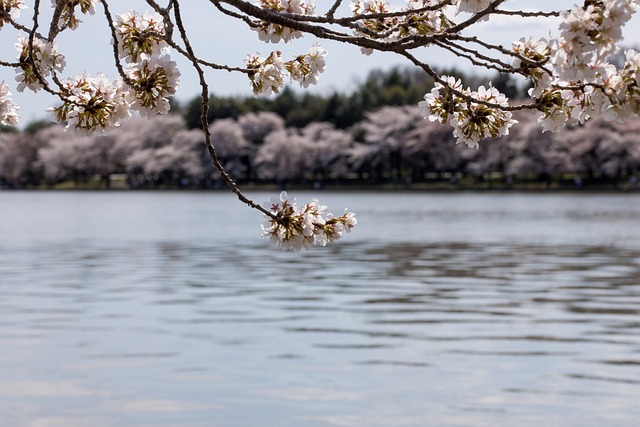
(391, 145)
(374, 135)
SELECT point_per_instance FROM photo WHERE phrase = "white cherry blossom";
(311, 225)
(266, 74)
(92, 104)
(139, 34)
(305, 68)
(46, 59)
(8, 109)
(154, 79)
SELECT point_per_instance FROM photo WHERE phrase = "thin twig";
(203, 118)
(116, 55)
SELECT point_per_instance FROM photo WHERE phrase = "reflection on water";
(104, 329)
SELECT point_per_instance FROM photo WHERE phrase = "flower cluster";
(480, 119)
(305, 227)
(274, 33)
(152, 77)
(67, 17)
(10, 9)
(572, 77)
(581, 83)
(92, 104)
(139, 35)
(532, 56)
(474, 115)
(305, 68)
(154, 80)
(46, 59)
(422, 18)
(8, 110)
(267, 75)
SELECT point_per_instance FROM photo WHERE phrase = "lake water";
(162, 309)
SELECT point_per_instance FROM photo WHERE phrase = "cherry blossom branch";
(473, 56)
(524, 14)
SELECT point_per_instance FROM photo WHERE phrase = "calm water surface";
(168, 310)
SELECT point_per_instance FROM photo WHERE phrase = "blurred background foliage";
(372, 136)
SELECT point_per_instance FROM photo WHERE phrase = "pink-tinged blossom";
(308, 226)
(8, 109)
(256, 126)
(231, 146)
(282, 156)
(423, 23)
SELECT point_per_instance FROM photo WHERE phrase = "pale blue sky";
(223, 40)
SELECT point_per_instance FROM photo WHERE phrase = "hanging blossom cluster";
(307, 226)
(432, 20)
(275, 33)
(474, 115)
(268, 74)
(578, 81)
(8, 110)
(95, 104)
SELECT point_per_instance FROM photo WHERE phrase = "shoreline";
(438, 187)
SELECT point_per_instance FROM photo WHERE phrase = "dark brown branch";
(527, 14)
(333, 9)
(462, 95)
(463, 52)
(116, 55)
(203, 118)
